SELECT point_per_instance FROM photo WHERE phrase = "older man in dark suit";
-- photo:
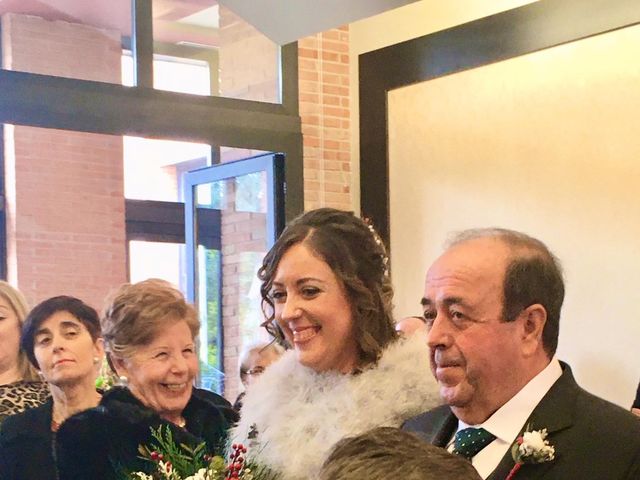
(492, 302)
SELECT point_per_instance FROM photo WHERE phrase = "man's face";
(474, 353)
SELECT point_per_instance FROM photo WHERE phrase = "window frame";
(47, 101)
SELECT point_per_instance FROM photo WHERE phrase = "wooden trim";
(289, 77)
(142, 45)
(157, 221)
(523, 30)
(87, 106)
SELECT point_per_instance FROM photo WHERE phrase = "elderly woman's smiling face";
(161, 373)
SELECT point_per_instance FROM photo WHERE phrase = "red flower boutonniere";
(531, 447)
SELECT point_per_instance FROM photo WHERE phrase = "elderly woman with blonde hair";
(20, 386)
(149, 333)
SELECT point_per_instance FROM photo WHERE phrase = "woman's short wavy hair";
(18, 304)
(137, 312)
(358, 259)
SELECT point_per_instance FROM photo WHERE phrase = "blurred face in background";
(409, 326)
(257, 362)
(9, 338)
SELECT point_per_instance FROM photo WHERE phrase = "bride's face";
(314, 312)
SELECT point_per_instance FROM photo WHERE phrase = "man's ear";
(533, 319)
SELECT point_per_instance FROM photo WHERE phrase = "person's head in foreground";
(149, 331)
(389, 453)
(326, 289)
(492, 302)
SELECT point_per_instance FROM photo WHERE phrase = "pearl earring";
(96, 360)
(123, 381)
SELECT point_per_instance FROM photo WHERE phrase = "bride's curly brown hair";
(358, 259)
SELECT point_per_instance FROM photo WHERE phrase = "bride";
(327, 293)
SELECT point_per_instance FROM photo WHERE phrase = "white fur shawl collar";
(300, 414)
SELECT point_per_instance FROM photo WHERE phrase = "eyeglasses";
(255, 371)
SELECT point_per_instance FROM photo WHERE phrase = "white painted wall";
(547, 143)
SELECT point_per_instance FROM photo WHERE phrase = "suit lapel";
(444, 430)
(436, 426)
(555, 412)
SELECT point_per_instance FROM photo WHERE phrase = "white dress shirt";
(509, 419)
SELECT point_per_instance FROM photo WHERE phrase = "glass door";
(233, 213)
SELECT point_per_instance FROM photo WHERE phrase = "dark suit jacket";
(593, 439)
(26, 451)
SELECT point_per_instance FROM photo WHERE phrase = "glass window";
(241, 205)
(144, 262)
(65, 38)
(239, 61)
(172, 73)
(153, 168)
(209, 308)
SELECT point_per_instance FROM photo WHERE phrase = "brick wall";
(248, 61)
(67, 187)
(324, 109)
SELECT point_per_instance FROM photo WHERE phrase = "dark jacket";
(593, 439)
(26, 445)
(102, 442)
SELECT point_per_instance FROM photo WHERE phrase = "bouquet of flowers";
(182, 462)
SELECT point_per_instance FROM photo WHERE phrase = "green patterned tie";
(470, 441)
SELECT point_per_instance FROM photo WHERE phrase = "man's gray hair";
(533, 275)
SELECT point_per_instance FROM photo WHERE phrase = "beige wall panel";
(398, 25)
(547, 143)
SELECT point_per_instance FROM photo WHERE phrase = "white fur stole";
(300, 414)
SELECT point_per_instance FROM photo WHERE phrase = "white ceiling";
(285, 21)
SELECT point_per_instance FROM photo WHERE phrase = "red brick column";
(65, 199)
(324, 109)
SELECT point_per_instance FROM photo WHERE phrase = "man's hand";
(636, 411)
